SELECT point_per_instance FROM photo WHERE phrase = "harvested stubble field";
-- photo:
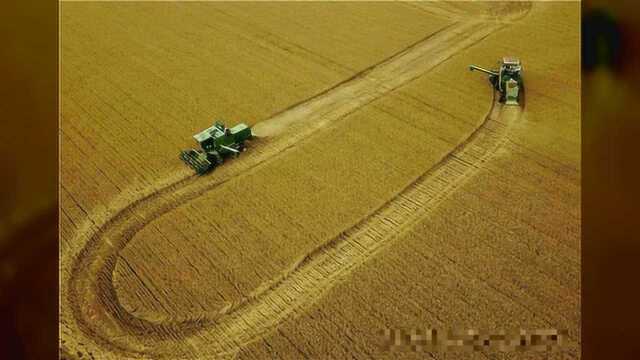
(386, 188)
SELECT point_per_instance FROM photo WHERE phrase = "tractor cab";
(207, 137)
(511, 65)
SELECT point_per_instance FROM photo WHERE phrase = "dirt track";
(90, 290)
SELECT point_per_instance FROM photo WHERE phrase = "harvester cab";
(507, 80)
(216, 143)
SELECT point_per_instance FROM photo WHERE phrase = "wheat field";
(386, 187)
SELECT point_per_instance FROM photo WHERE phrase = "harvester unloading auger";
(217, 143)
(507, 80)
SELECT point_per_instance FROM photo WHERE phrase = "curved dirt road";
(95, 310)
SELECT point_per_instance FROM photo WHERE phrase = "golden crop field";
(386, 187)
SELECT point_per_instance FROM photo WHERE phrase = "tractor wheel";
(217, 159)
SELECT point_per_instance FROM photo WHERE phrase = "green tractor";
(217, 143)
(507, 80)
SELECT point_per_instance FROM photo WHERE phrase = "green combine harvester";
(217, 143)
(507, 80)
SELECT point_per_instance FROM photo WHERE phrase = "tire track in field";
(91, 295)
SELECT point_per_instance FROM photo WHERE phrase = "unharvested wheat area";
(386, 186)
